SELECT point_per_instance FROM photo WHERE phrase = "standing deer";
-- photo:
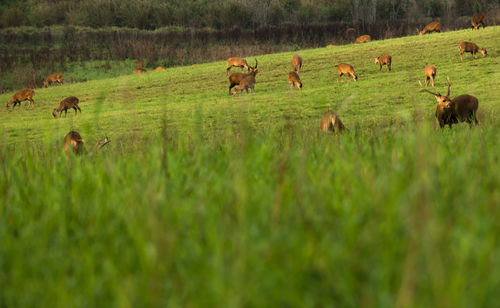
(65, 104)
(73, 141)
(434, 26)
(430, 74)
(462, 108)
(23, 95)
(139, 71)
(236, 78)
(384, 60)
(331, 122)
(472, 48)
(363, 39)
(294, 79)
(247, 83)
(477, 21)
(346, 69)
(237, 62)
(297, 63)
(57, 77)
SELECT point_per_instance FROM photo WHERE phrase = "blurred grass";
(204, 200)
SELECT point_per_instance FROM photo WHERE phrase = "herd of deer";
(448, 111)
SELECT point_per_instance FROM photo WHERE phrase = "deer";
(472, 48)
(236, 78)
(477, 21)
(138, 64)
(139, 71)
(74, 142)
(159, 68)
(247, 83)
(384, 60)
(237, 62)
(23, 95)
(434, 26)
(462, 108)
(331, 122)
(346, 69)
(65, 104)
(57, 77)
(430, 74)
(294, 80)
(363, 39)
(297, 63)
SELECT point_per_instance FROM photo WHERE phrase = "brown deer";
(477, 21)
(237, 62)
(65, 104)
(139, 71)
(472, 48)
(346, 69)
(331, 122)
(138, 64)
(23, 95)
(57, 77)
(297, 63)
(294, 80)
(236, 78)
(73, 141)
(384, 60)
(434, 26)
(363, 39)
(159, 68)
(247, 83)
(430, 74)
(462, 108)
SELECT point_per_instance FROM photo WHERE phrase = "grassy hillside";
(207, 200)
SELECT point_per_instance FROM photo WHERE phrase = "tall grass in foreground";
(406, 218)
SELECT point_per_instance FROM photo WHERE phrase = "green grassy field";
(206, 200)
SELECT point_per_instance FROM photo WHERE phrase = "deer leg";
(432, 81)
(227, 70)
(291, 86)
(461, 59)
(76, 110)
(65, 112)
(79, 109)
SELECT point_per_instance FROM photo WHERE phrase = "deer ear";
(438, 97)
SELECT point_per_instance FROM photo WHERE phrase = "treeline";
(223, 14)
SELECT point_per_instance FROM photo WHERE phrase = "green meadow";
(202, 199)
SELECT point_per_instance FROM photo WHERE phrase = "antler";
(256, 63)
(425, 90)
(449, 86)
(102, 143)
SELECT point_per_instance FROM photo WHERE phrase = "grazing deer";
(472, 48)
(330, 45)
(430, 74)
(297, 63)
(236, 78)
(159, 68)
(139, 71)
(346, 69)
(434, 26)
(23, 95)
(384, 60)
(363, 39)
(73, 141)
(462, 108)
(237, 62)
(247, 83)
(138, 64)
(331, 122)
(65, 104)
(294, 79)
(57, 77)
(477, 21)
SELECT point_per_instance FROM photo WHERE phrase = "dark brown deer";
(297, 63)
(236, 78)
(434, 26)
(472, 48)
(294, 79)
(363, 39)
(384, 60)
(247, 83)
(477, 21)
(74, 142)
(139, 71)
(430, 74)
(23, 95)
(65, 104)
(331, 122)
(462, 108)
(57, 77)
(237, 62)
(346, 69)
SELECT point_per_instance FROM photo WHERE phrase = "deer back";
(69, 102)
(465, 106)
(363, 39)
(235, 61)
(23, 95)
(139, 71)
(297, 61)
(430, 70)
(345, 68)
